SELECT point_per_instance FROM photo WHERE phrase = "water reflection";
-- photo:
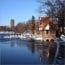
(31, 46)
(52, 51)
(11, 44)
(43, 52)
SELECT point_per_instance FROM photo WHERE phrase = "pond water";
(23, 52)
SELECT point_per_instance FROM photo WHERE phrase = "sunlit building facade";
(47, 28)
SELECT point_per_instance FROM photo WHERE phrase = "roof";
(47, 20)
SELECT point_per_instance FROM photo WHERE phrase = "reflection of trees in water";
(19, 42)
(11, 44)
(31, 46)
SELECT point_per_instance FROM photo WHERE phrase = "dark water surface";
(23, 52)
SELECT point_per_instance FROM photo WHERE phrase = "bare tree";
(55, 8)
(30, 25)
(33, 24)
(19, 28)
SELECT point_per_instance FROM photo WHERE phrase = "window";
(47, 31)
(40, 22)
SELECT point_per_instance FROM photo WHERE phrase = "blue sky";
(19, 10)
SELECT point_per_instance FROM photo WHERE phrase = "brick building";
(47, 28)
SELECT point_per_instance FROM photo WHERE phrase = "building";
(47, 28)
(11, 23)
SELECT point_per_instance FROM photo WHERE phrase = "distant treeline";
(29, 26)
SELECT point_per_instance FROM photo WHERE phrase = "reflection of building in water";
(43, 53)
(52, 51)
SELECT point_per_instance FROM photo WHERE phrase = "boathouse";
(47, 28)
